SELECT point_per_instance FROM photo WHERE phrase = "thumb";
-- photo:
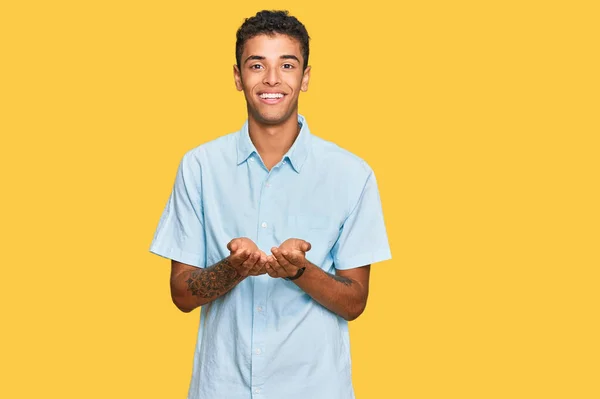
(233, 245)
(306, 246)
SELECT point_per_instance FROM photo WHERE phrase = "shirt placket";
(266, 219)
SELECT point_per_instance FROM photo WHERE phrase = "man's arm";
(193, 286)
(344, 293)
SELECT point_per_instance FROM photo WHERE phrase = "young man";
(272, 231)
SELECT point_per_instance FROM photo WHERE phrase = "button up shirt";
(267, 338)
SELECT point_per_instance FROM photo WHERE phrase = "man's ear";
(237, 77)
(305, 79)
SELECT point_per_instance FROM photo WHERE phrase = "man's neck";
(273, 141)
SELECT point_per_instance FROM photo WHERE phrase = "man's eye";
(288, 66)
(256, 66)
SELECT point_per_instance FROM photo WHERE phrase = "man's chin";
(271, 121)
(272, 118)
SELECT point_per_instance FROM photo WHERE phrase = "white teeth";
(271, 95)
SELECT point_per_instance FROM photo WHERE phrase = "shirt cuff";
(362, 260)
(177, 255)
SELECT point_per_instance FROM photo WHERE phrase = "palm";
(294, 244)
(241, 244)
(246, 243)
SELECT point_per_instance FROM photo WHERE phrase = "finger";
(261, 271)
(252, 258)
(296, 258)
(282, 261)
(233, 245)
(239, 257)
(306, 246)
(250, 262)
(256, 265)
(270, 270)
(259, 267)
(277, 267)
(263, 258)
(277, 270)
(260, 263)
(258, 270)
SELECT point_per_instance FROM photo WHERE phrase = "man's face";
(271, 77)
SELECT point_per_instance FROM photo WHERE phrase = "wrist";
(237, 269)
(299, 273)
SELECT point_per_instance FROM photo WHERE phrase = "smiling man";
(272, 231)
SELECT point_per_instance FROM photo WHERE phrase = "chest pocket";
(309, 222)
(321, 231)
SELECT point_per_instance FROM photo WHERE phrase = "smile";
(271, 95)
(271, 98)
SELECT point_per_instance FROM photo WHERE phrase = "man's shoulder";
(334, 156)
(218, 147)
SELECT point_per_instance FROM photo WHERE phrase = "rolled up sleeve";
(180, 233)
(363, 238)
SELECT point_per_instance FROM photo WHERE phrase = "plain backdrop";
(480, 120)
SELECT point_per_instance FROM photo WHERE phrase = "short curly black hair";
(269, 23)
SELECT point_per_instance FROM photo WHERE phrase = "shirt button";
(284, 162)
(264, 225)
(259, 308)
(258, 351)
(251, 159)
(256, 390)
(267, 185)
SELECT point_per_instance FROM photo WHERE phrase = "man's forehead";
(275, 42)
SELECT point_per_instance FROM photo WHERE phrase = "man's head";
(269, 23)
(272, 65)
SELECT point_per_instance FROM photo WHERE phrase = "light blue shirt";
(267, 338)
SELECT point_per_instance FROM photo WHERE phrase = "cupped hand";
(287, 258)
(295, 244)
(245, 256)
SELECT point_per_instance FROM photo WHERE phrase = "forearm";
(341, 295)
(198, 286)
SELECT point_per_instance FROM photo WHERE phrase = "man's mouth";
(271, 98)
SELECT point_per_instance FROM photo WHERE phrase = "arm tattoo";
(213, 281)
(341, 279)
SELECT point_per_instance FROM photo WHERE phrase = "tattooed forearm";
(341, 279)
(213, 281)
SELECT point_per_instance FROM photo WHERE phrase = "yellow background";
(480, 119)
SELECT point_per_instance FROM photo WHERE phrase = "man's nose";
(272, 77)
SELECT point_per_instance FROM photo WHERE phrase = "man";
(272, 231)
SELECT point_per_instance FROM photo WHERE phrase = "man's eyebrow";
(289, 57)
(283, 57)
(254, 57)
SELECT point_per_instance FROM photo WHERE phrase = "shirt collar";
(297, 153)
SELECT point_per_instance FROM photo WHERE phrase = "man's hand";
(344, 293)
(288, 258)
(246, 258)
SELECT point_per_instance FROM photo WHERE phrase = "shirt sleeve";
(180, 233)
(363, 238)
